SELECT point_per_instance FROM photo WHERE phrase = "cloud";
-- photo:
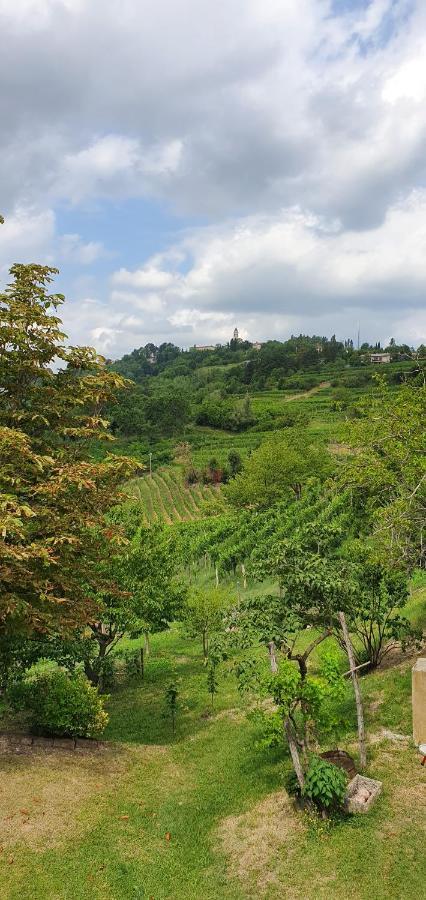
(72, 248)
(30, 235)
(271, 276)
(148, 277)
(26, 236)
(295, 133)
(256, 106)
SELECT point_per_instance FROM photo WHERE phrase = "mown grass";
(202, 813)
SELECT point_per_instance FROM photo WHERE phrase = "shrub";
(60, 704)
(325, 784)
(192, 476)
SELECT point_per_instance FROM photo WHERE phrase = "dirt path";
(314, 390)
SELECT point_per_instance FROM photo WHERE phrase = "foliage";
(375, 617)
(224, 414)
(204, 612)
(325, 784)
(279, 469)
(61, 704)
(212, 681)
(52, 497)
(387, 474)
(235, 462)
(168, 412)
(141, 592)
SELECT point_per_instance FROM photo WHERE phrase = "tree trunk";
(217, 576)
(141, 663)
(357, 692)
(146, 639)
(295, 758)
(205, 645)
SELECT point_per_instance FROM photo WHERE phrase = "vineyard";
(165, 498)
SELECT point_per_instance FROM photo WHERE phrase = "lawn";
(202, 813)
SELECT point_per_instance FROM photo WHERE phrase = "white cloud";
(72, 248)
(298, 134)
(26, 236)
(149, 277)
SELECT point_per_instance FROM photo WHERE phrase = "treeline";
(281, 359)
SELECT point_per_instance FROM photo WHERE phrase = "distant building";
(380, 358)
(204, 347)
(236, 335)
(256, 345)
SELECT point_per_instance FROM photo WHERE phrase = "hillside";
(164, 497)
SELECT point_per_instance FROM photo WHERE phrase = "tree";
(53, 496)
(280, 468)
(387, 473)
(235, 462)
(168, 412)
(139, 591)
(204, 613)
(375, 617)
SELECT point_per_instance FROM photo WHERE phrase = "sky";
(192, 166)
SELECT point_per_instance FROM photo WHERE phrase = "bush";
(325, 784)
(60, 704)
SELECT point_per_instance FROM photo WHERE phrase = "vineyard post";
(243, 570)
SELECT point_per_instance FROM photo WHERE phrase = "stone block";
(362, 792)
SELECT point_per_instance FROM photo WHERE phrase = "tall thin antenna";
(358, 337)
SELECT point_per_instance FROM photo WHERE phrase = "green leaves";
(52, 497)
(325, 784)
(280, 468)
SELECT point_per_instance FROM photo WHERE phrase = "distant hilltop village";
(255, 345)
(378, 358)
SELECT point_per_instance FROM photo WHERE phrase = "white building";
(380, 358)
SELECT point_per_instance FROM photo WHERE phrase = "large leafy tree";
(387, 472)
(139, 591)
(279, 469)
(53, 495)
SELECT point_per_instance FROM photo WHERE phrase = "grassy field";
(203, 814)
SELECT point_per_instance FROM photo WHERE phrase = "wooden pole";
(243, 570)
(272, 657)
(357, 692)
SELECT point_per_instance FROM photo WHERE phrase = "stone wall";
(22, 743)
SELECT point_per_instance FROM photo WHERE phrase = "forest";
(213, 591)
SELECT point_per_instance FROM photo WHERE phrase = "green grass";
(218, 798)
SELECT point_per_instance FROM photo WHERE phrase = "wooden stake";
(272, 657)
(243, 570)
(357, 692)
